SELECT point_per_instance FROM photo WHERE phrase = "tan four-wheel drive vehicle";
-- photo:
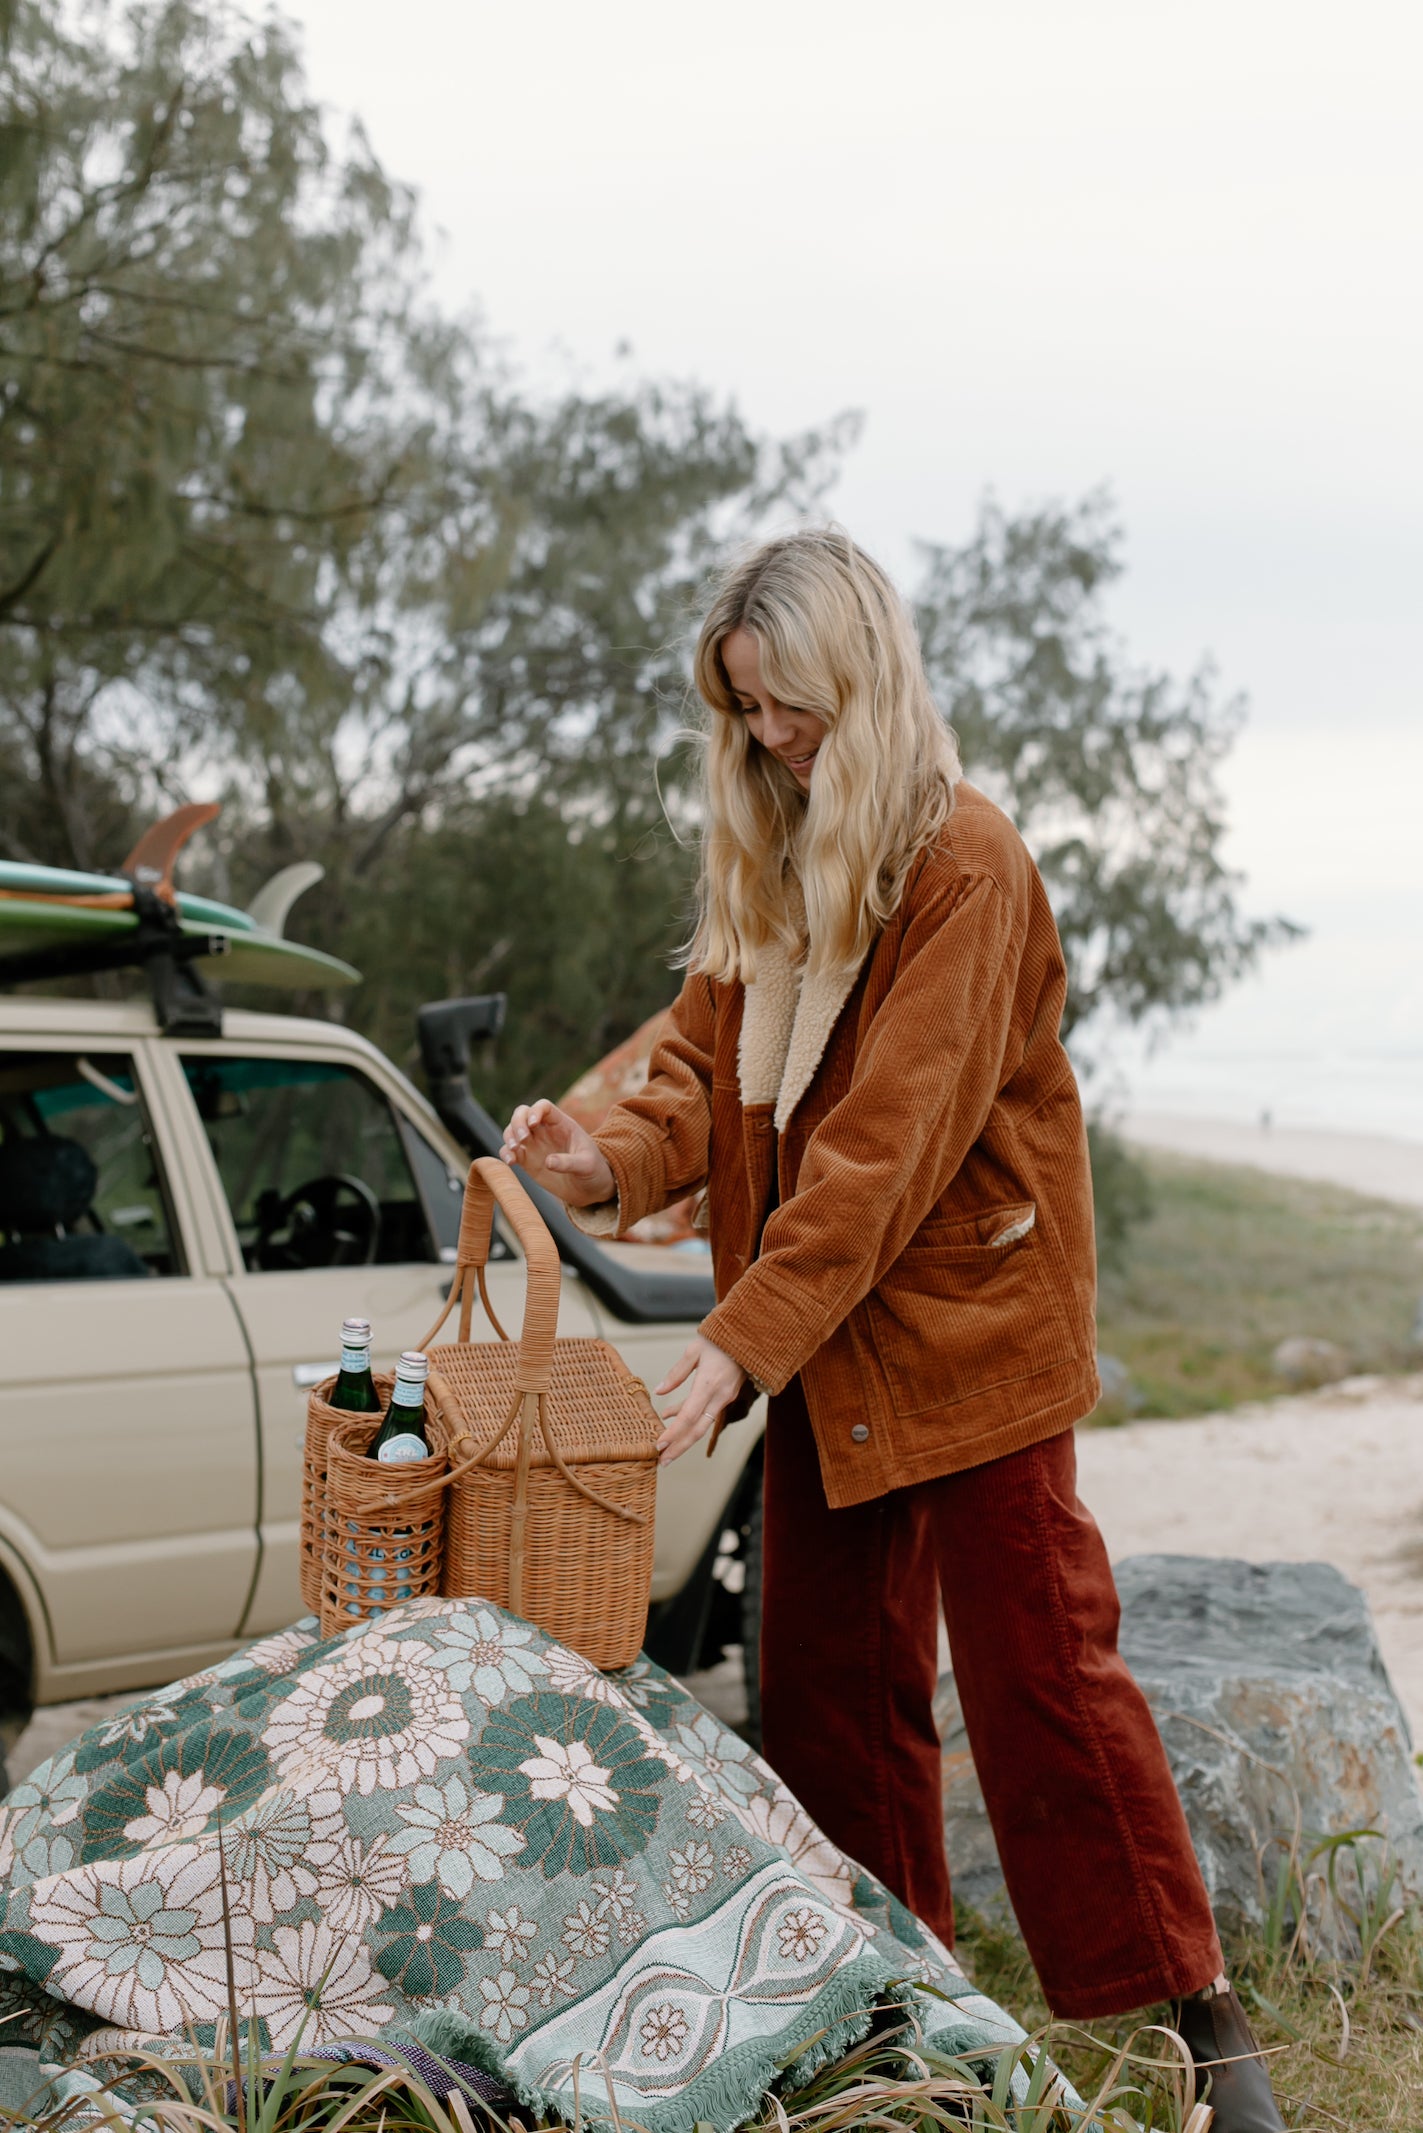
(191, 1200)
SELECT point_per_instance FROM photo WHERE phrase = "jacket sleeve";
(657, 1142)
(928, 1070)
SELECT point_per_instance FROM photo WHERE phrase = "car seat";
(46, 1186)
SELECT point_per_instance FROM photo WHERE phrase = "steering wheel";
(327, 1221)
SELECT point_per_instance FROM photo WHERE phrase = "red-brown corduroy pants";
(1090, 1831)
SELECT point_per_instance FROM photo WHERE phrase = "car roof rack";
(158, 945)
(184, 1004)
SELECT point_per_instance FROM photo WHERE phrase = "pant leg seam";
(1086, 1717)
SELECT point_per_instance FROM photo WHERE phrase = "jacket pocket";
(966, 1307)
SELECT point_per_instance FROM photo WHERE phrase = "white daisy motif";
(506, 2005)
(694, 1868)
(735, 1861)
(631, 1927)
(615, 1893)
(705, 1811)
(139, 1720)
(33, 1818)
(375, 1717)
(570, 1773)
(573, 1675)
(454, 1836)
(679, 1903)
(314, 1975)
(800, 1933)
(354, 1884)
(551, 1977)
(279, 1654)
(476, 1650)
(778, 1818)
(664, 2030)
(586, 1933)
(720, 1755)
(510, 1934)
(141, 1941)
(269, 1850)
(179, 1807)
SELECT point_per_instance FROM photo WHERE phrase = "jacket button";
(859, 1434)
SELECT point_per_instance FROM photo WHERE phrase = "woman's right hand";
(558, 1154)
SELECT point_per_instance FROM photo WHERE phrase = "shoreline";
(1381, 1166)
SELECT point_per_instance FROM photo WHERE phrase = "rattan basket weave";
(385, 1524)
(553, 1483)
(321, 1419)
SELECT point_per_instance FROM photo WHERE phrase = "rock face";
(1245, 1665)
(1305, 1361)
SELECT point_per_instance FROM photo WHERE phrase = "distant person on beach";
(863, 1073)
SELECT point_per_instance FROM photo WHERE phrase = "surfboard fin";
(273, 901)
(151, 861)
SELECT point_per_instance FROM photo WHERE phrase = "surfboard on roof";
(60, 916)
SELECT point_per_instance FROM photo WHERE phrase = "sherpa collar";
(786, 1020)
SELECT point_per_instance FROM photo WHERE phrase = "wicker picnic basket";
(384, 1524)
(554, 1461)
(321, 1419)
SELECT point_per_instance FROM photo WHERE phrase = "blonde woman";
(864, 1073)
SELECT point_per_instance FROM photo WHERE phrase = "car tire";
(753, 1532)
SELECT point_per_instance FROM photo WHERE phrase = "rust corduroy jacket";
(929, 1270)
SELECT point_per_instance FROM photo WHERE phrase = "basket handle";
(488, 1181)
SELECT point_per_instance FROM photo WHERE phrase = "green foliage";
(1229, 1262)
(272, 528)
(1121, 1192)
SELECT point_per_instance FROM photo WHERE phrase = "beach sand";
(1384, 1167)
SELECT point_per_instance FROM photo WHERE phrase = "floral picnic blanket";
(445, 1826)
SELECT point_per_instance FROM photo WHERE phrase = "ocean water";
(1338, 1090)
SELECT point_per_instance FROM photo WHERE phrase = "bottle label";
(397, 1451)
(356, 1359)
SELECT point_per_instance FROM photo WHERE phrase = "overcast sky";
(1042, 244)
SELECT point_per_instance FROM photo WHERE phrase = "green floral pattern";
(442, 1823)
(577, 1780)
(424, 1942)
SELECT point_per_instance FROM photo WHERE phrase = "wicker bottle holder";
(321, 1419)
(552, 1491)
(385, 1523)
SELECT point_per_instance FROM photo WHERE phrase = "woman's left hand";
(716, 1380)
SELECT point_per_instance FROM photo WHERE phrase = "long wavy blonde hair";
(836, 639)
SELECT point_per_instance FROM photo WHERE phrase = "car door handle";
(305, 1375)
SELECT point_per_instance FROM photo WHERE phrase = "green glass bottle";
(401, 1436)
(355, 1389)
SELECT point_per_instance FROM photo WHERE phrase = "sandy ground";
(1373, 1163)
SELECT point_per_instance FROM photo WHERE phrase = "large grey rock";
(1267, 1683)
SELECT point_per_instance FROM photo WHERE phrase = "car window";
(443, 1190)
(312, 1162)
(82, 1193)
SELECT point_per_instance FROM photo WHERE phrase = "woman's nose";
(777, 727)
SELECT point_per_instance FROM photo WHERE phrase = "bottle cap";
(414, 1364)
(355, 1330)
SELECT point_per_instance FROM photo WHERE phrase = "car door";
(128, 1447)
(280, 1124)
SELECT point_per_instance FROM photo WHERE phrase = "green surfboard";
(31, 920)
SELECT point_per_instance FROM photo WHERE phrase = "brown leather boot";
(1230, 2074)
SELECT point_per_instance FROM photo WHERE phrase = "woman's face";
(792, 736)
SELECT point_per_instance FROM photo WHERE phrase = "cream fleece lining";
(786, 1020)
